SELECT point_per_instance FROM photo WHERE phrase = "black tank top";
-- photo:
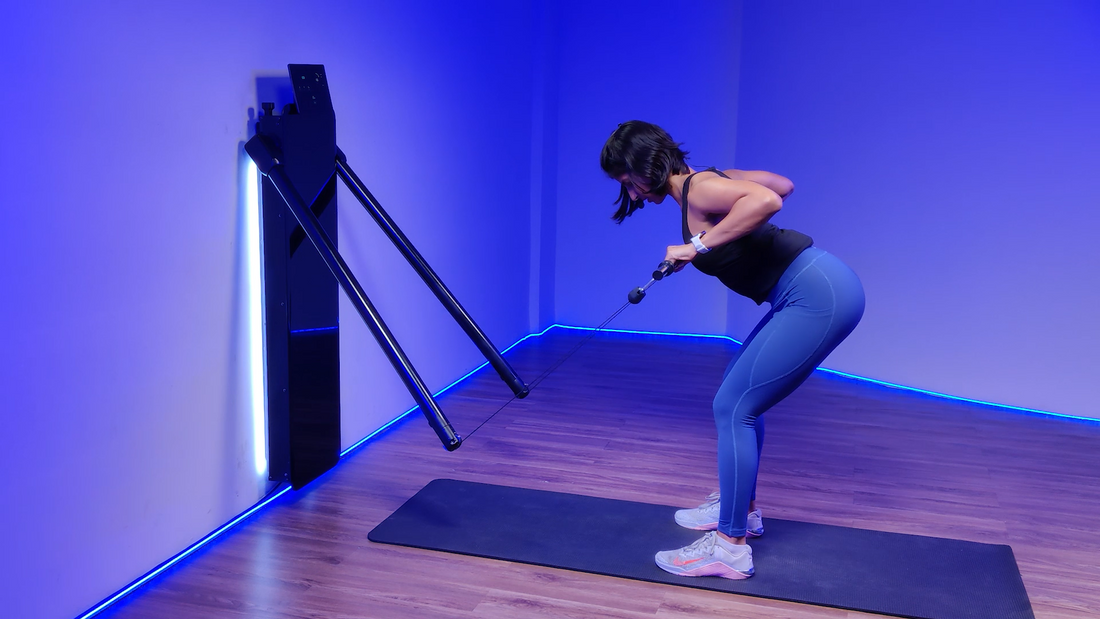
(752, 264)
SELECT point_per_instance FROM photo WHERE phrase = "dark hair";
(643, 150)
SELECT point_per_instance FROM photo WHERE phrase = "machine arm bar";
(507, 374)
(266, 158)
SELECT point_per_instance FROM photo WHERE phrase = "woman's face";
(639, 188)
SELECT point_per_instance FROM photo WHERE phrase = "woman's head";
(641, 156)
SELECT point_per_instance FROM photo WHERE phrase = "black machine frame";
(297, 154)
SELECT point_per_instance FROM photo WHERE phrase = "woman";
(815, 299)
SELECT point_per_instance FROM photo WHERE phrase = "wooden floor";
(628, 417)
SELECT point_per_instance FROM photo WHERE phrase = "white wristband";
(697, 241)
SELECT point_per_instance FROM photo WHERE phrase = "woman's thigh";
(818, 307)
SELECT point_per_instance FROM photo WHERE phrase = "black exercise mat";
(855, 569)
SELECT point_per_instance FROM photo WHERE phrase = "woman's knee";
(730, 412)
(723, 412)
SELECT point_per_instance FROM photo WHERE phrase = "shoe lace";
(712, 500)
(703, 546)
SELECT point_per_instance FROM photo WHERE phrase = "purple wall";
(438, 123)
(617, 64)
(126, 415)
(948, 151)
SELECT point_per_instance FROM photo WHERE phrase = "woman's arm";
(743, 206)
(779, 184)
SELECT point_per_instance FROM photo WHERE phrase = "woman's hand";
(680, 255)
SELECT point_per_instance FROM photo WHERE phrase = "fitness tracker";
(697, 241)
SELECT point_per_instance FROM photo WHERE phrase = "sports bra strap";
(687, 183)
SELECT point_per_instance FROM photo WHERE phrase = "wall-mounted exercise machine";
(297, 154)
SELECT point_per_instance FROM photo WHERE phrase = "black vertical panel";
(314, 403)
(301, 296)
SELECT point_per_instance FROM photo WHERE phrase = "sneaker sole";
(710, 526)
(720, 570)
(713, 526)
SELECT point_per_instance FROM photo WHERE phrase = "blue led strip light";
(860, 378)
(316, 329)
(211, 537)
(181, 556)
(606, 330)
(956, 398)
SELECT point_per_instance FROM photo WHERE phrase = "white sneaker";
(702, 518)
(755, 525)
(710, 555)
(705, 517)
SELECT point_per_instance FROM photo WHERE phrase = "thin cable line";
(544, 375)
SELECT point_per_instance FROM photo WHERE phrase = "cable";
(543, 376)
(665, 269)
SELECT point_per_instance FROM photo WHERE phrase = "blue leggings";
(816, 304)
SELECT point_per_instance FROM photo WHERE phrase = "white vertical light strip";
(256, 318)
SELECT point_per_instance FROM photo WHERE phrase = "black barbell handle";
(666, 268)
